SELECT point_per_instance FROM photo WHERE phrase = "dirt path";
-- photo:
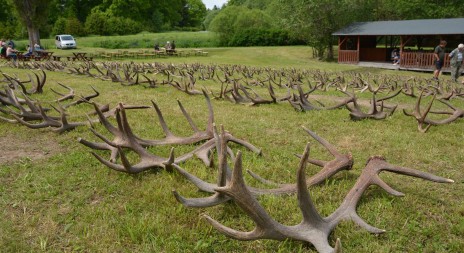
(13, 148)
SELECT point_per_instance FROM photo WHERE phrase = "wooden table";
(170, 51)
(45, 55)
(79, 56)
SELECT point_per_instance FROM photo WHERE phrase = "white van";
(65, 41)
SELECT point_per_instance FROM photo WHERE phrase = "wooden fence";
(419, 60)
(348, 56)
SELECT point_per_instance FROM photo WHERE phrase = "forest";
(238, 23)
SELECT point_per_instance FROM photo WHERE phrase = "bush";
(60, 26)
(261, 37)
(74, 26)
(96, 23)
(122, 26)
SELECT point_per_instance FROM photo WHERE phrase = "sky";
(210, 3)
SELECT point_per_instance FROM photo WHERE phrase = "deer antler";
(330, 168)
(125, 138)
(64, 97)
(356, 112)
(421, 116)
(314, 228)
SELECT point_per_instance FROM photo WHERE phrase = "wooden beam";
(341, 42)
(359, 46)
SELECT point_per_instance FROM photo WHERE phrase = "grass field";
(56, 197)
(141, 40)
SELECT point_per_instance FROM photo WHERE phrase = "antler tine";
(104, 120)
(310, 214)
(187, 116)
(223, 175)
(237, 190)
(429, 106)
(213, 200)
(447, 104)
(413, 173)
(161, 120)
(331, 148)
(47, 121)
(209, 127)
(246, 144)
(370, 176)
(330, 168)
(123, 124)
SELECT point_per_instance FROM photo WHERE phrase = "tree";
(193, 13)
(33, 14)
(314, 21)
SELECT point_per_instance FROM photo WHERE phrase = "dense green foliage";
(313, 21)
(100, 17)
(142, 40)
(238, 23)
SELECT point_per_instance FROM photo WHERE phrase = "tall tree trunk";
(34, 36)
(330, 52)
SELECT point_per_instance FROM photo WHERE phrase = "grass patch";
(141, 40)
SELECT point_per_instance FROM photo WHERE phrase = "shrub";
(96, 23)
(60, 26)
(261, 37)
(122, 26)
(74, 26)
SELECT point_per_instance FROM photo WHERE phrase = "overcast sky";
(210, 3)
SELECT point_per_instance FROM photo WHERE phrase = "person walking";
(456, 62)
(439, 56)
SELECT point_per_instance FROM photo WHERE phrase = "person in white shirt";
(456, 62)
(10, 52)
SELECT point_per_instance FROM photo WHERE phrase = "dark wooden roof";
(405, 27)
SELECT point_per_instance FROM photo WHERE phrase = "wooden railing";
(421, 60)
(348, 56)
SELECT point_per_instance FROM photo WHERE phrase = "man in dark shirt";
(439, 56)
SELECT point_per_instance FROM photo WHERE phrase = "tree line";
(238, 23)
(312, 22)
(98, 17)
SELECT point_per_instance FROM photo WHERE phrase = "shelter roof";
(405, 27)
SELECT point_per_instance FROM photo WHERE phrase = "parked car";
(65, 41)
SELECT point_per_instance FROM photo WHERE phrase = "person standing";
(439, 57)
(456, 62)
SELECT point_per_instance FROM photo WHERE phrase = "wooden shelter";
(416, 40)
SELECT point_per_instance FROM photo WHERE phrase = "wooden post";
(339, 44)
(359, 45)
(401, 51)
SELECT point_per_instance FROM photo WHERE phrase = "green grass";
(141, 40)
(57, 197)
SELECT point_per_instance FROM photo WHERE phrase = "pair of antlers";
(314, 228)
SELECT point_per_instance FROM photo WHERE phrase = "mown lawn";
(56, 197)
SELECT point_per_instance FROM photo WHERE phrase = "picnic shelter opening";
(373, 42)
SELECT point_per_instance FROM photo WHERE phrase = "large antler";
(423, 123)
(125, 138)
(314, 228)
(330, 168)
(374, 112)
